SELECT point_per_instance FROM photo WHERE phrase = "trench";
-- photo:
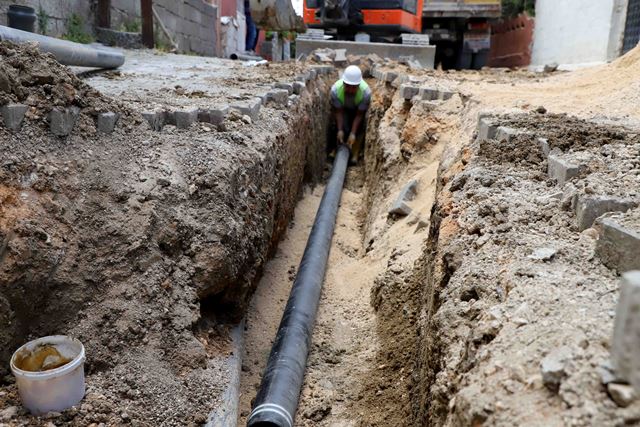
(359, 370)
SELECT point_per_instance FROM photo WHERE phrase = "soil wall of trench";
(116, 239)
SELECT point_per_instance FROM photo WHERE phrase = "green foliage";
(512, 8)
(134, 26)
(43, 21)
(75, 31)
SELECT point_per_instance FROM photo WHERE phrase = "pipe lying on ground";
(277, 399)
(245, 57)
(66, 52)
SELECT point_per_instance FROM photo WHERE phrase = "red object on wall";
(511, 42)
(261, 38)
(228, 7)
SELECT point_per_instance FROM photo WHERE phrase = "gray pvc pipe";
(277, 399)
(66, 52)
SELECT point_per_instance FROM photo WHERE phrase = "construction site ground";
(152, 245)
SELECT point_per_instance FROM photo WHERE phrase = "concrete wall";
(572, 32)
(58, 12)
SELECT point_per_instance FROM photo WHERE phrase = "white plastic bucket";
(56, 389)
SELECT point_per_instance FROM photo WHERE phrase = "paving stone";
(214, 116)
(428, 94)
(407, 193)
(278, 96)
(589, 208)
(299, 88)
(13, 115)
(185, 118)
(543, 143)
(562, 169)
(62, 120)
(487, 129)
(287, 86)
(625, 346)
(107, 121)
(155, 119)
(408, 91)
(506, 134)
(250, 108)
(618, 246)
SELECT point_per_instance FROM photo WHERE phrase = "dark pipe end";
(233, 56)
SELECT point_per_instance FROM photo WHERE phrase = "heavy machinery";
(459, 29)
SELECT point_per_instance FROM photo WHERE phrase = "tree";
(511, 8)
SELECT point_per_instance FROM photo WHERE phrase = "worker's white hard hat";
(352, 75)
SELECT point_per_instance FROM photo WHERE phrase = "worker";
(350, 98)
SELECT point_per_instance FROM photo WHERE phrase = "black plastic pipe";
(277, 399)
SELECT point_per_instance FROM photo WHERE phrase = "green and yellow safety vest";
(362, 88)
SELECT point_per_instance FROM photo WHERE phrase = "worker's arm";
(356, 122)
(339, 112)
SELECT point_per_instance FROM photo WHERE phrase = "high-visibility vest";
(362, 88)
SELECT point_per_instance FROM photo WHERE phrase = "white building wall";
(573, 32)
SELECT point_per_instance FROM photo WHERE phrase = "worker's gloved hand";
(340, 137)
(352, 139)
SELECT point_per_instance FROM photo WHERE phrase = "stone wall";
(58, 13)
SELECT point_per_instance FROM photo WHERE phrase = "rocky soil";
(138, 243)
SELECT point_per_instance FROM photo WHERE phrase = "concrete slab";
(185, 118)
(214, 116)
(278, 96)
(13, 115)
(589, 208)
(250, 108)
(287, 86)
(625, 346)
(618, 246)
(425, 55)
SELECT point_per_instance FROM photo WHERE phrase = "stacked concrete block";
(249, 108)
(62, 120)
(619, 245)
(625, 346)
(562, 169)
(13, 115)
(185, 118)
(589, 208)
(107, 122)
(213, 116)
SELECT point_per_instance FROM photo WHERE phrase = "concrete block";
(390, 76)
(185, 118)
(407, 193)
(400, 80)
(250, 108)
(313, 73)
(341, 56)
(506, 134)
(287, 86)
(428, 94)
(562, 170)
(487, 129)
(278, 96)
(107, 121)
(618, 246)
(589, 208)
(215, 116)
(625, 346)
(299, 88)
(293, 99)
(168, 117)
(408, 91)
(377, 73)
(62, 120)
(13, 115)
(543, 143)
(155, 119)
(445, 95)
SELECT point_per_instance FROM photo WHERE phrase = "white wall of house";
(578, 32)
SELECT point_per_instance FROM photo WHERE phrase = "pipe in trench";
(66, 52)
(277, 399)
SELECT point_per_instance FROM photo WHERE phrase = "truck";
(460, 29)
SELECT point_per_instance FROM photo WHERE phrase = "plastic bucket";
(55, 389)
